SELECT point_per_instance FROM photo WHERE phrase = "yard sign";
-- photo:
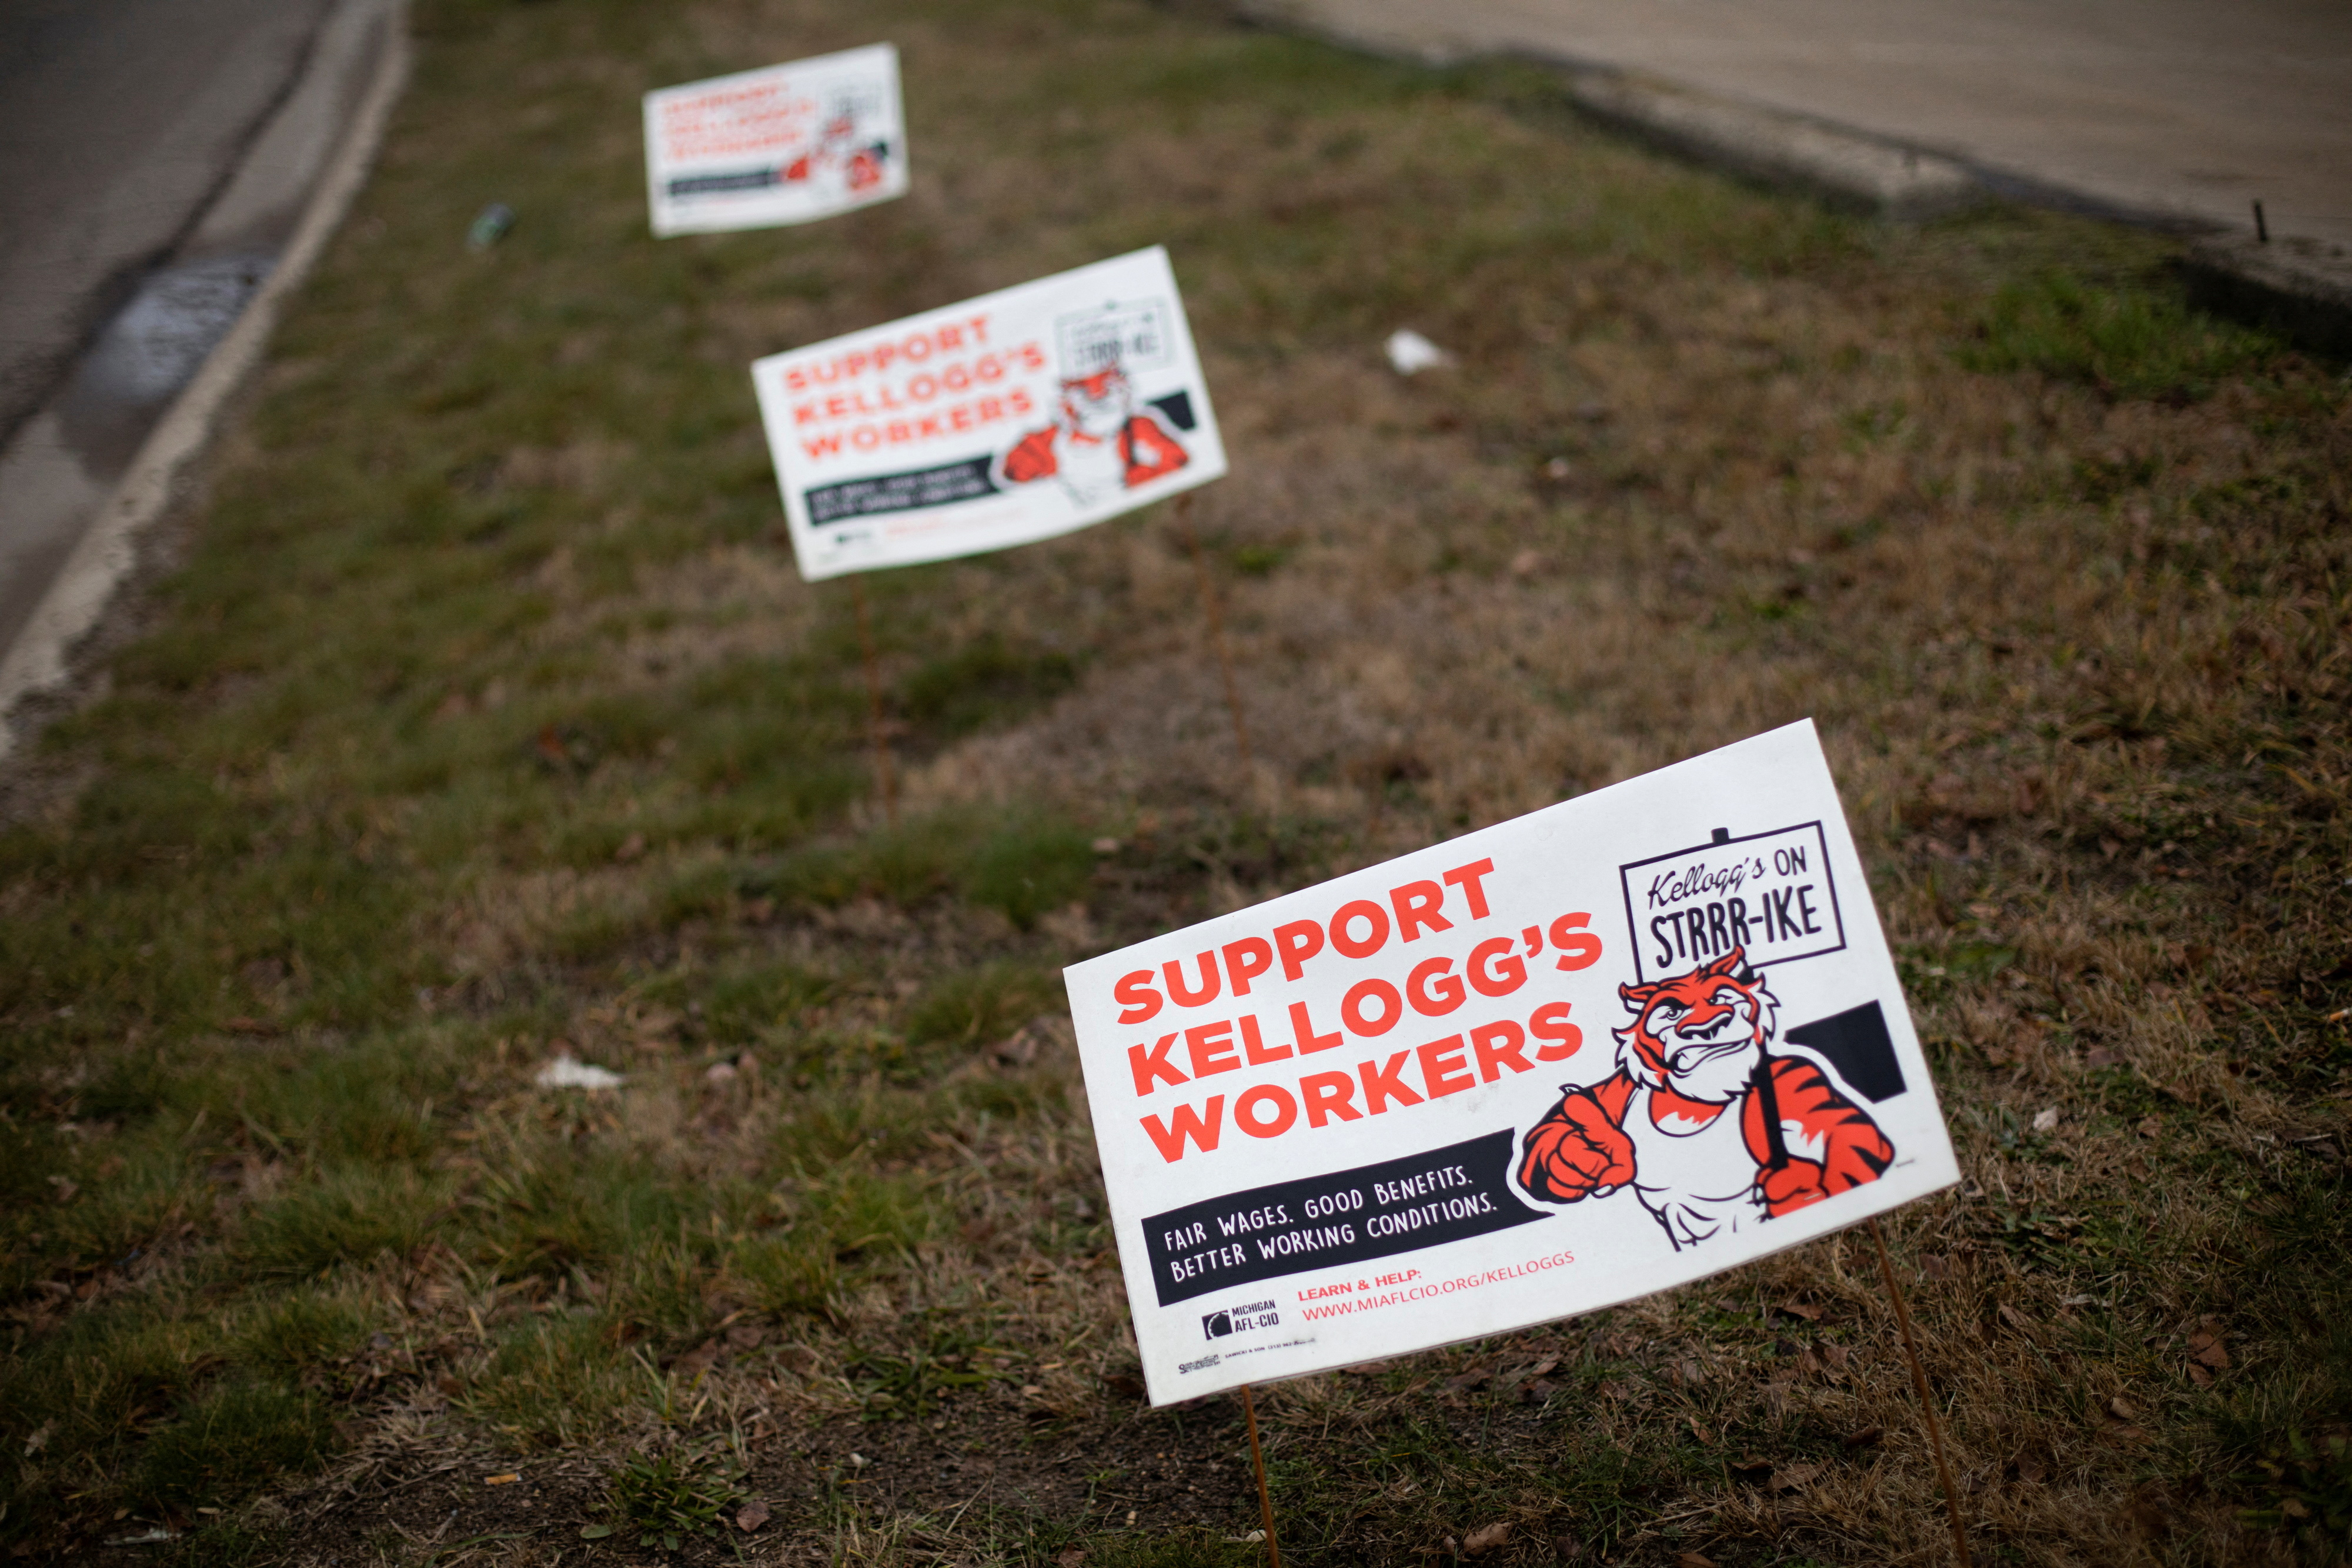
(785, 145)
(1615, 1045)
(1016, 416)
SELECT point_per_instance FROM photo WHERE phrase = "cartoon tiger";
(1700, 1119)
(1098, 443)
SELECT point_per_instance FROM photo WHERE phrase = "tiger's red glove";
(1576, 1151)
(1792, 1186)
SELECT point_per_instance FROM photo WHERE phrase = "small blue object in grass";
(490, 225)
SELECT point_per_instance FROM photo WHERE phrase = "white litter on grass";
(1411, 353)
(2046, 1121)
(565, 1073)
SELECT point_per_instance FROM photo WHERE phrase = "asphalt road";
(119, 121)
(2186, 111)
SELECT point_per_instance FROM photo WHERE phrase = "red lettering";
(1551, 1022)
(979, 325)
(1329, 1095)
(1254, 1043)
(1352, 1007)
(1285, 1111)
(1433, 1000)
(1211, 1047)
(1303, 1029)
(1185, 996)
(1498, 1046)
(823, 445)
(1417, 906)
(1150, 1068)
(1578, 949)
(1300, 941)
(952, 338)
(1466, 878)
(1442, 1068)
(1245, 960)
(1362, 909)
(1382, 1085)
(1494, 969)
(1143, 1003)
(1188, 1123)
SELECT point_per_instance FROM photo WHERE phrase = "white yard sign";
(1618, 1044)
(785, 145)
(1016, 416)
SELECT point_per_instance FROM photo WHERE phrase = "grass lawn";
(484, 720)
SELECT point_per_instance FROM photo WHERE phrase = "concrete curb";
(1884, 179)
(2297, 287)
(108, 552)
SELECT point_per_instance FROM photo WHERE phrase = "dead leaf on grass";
(1071, 1557)
(1789, 1478)
(1366, 1369)
(1800, 1310)
(1693, 1560)
(2205, 1346)
(751, 1515)
(1864, 1437)
(1480, 1541)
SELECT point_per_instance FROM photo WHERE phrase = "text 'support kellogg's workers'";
(1033, 412)
(785, 144)
(1613, 1046)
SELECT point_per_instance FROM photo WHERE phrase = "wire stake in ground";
(1927, 1404)
(882, 773)
(1216, 625)
(1264, 1498)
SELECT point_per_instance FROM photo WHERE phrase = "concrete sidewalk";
(2176, 112)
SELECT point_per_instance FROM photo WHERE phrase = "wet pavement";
(154, 156)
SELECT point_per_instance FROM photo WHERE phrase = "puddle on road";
(61, 463)
(149, 352)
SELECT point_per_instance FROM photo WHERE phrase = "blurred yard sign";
(1618, 1044)
(1016, 416)
(782, 145)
